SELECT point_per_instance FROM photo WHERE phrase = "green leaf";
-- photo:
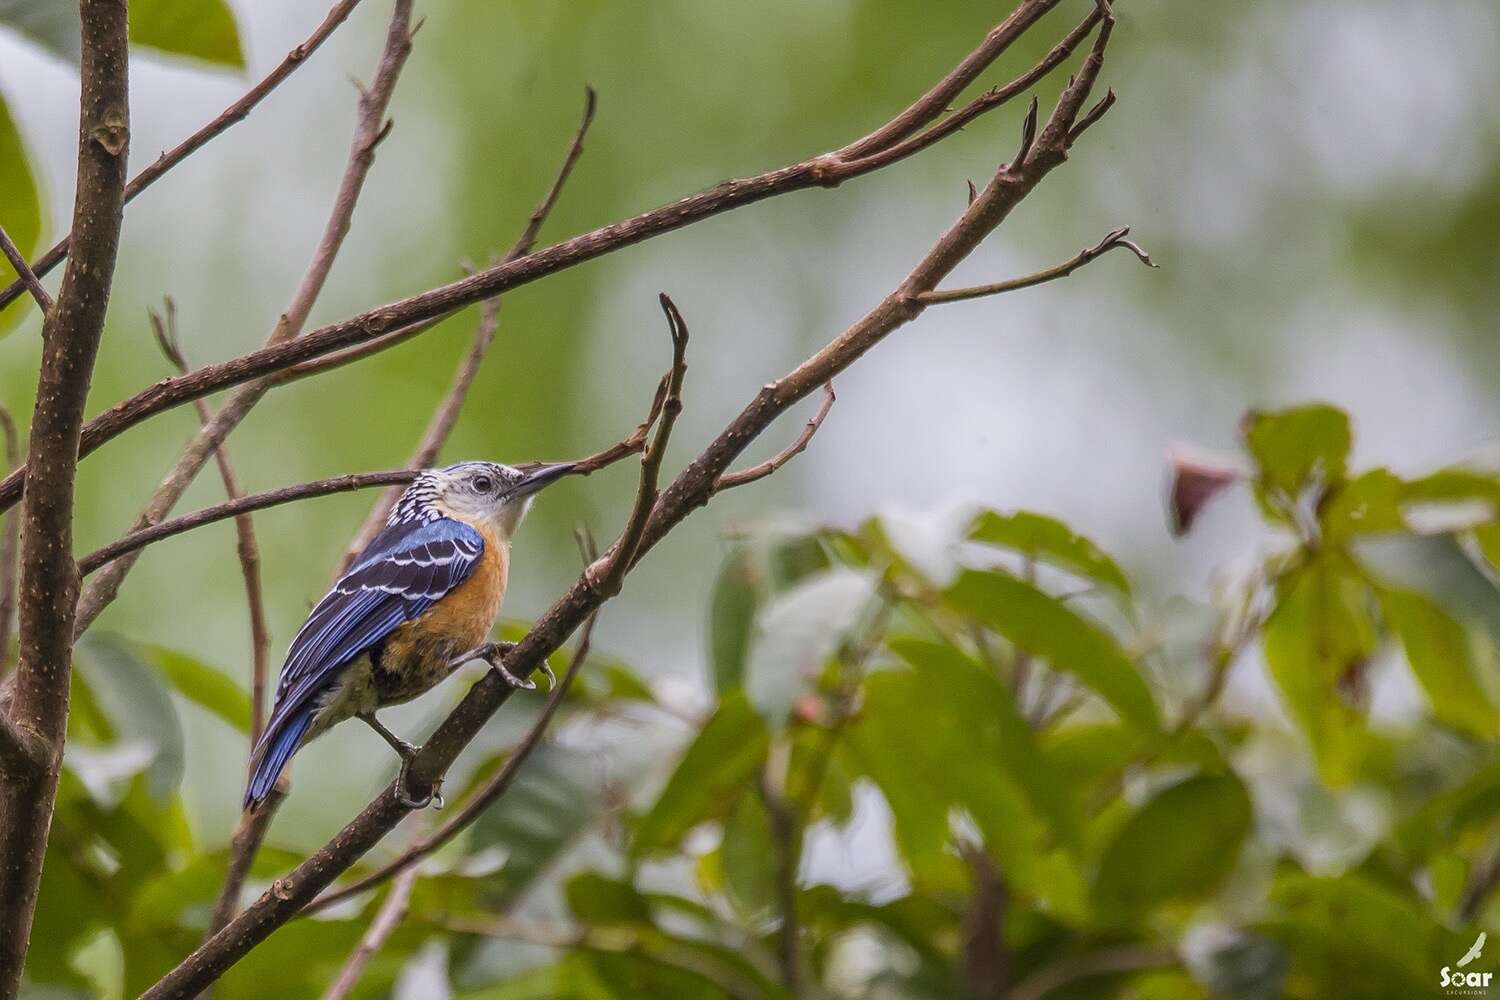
(1368, 504)
(1319, 634)
(995, 728)
(927, 739)
(552, 802)
(1293, 447)
(137, 705)
(731, 618)
(798, 632)
(200, 684)
(202, 29)
(20, 203)
(606, 902)
(1179, 846)
(1046, 627)
(717, 767)
(1052, 541)
(1438, 649)
(1353, 937)
(748, 857)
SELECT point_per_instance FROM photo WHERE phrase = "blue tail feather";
(276, 750)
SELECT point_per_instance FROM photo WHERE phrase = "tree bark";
(49, 576)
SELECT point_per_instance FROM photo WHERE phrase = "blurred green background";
(1319, 181)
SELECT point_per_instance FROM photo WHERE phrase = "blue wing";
(405, 570)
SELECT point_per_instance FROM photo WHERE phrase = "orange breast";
(468, 612)
(417, 654)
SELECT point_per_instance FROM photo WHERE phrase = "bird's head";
(477, 493)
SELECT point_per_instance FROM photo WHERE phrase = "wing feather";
(405, 570)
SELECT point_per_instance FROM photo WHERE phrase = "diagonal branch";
(236, 112)
(1067, 267)
(389, 917)
(370, 128)
(744, 477)
(446, 415)
(607, 572)
(692, 488)
(387, 321)
(482, 799)
(24, 274)
(49, 577)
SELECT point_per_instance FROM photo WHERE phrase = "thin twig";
(386, 321)
(387, 919)
(786, 842)
(691, 489)
(1109, 961)
(730, 480)
(151, 534)
(446, 415)
(165, 329)
(609, 571)
(236, 112)
(49, 579)
(10, 542)
(1067, 267)
(482, 799)
(370, 128)
(27, 277)
(244, 845)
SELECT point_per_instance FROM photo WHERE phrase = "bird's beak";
(540, 476)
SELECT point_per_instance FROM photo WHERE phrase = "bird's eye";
(484, 484)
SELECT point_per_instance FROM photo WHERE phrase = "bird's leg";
(494, 654)
(406, 752)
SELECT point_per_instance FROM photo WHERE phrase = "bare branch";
(692, 488)
(607, 572)
(933, 103)
(49, 578)
(10, 542)
(399, 317)
(786, 841)
(24, 273)
(369, 129)
(389, 917)
(482, 799)
(244, 845)
(236, 112)
(142, 537)
(730, 480)
(446, 415)
(165, 330)
(1067, 267)
(1110, 961)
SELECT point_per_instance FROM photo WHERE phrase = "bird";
(416, 604)
(1475, 950)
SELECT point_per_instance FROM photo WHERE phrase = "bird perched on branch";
(416, 604)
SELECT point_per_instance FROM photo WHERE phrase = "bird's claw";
(434, 797)
(490, 652)
(525, 683)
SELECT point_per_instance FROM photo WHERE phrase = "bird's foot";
(407, 752)
(434, 798)
(489, 653)
(494, 654)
